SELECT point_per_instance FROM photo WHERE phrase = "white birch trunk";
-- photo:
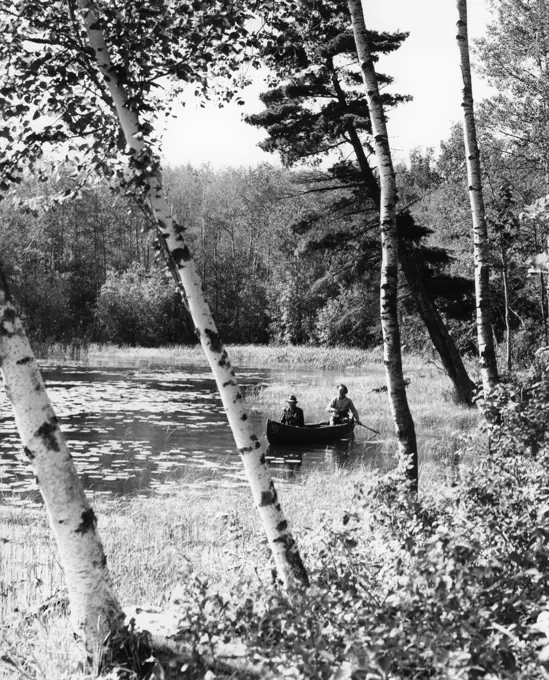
(487, 355)
(95, 610)
(283, 546)
(402, 418)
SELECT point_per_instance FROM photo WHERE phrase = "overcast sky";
(426, 66)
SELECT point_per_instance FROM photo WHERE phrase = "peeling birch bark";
(392, 356)
(95, 611)
(486, 348)
(284, 548)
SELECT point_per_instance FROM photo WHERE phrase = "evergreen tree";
(316, 88)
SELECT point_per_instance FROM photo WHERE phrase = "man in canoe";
(340, 406)
(293, 415)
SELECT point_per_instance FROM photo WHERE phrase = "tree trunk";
(543, 308)
(440, 337)
(95, 611)
(508, 332)
(283, 546)
(402, 417)
(487, 354)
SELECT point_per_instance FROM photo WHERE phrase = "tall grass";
(258, 356)
(153, 545)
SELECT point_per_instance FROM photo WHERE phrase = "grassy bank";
(153, 547)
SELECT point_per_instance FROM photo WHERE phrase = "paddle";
(366, 426)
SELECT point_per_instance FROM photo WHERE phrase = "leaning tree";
(91, 74)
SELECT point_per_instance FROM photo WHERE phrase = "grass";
(95, 354)
(153, 546)
(155, 543)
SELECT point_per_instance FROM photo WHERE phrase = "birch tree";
(485, 337)
(95, 611)
(105, 90)
(282, 544)
(392, 355)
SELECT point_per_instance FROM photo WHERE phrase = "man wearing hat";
(293, 415)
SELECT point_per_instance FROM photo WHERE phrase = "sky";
(426, 67)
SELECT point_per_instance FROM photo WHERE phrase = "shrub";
(139, 307)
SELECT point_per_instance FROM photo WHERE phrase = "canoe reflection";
(287, 462)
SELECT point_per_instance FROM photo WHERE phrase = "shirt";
(343, 406)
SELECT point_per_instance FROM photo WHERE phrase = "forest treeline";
(292, 254)
(284, 256)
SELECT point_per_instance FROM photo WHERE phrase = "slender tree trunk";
(440, 337)
(543, 308)
(508, 331)
(95, 611)
(283, 546)
(402, 417)
(487, 354)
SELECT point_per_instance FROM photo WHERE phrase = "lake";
(141, 430)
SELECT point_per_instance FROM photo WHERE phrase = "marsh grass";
(258, 356)
(154, 543)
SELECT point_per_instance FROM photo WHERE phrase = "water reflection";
(137, 430)
(291, 462)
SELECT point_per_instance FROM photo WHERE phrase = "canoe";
(312, 433)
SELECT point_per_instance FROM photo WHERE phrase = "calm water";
(140, 430)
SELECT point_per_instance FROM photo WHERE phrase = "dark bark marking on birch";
(25, 360)
(245, 449)
(47, 433)
(266, 498)
(215, 342)
(88, 523)
(30, 454)
(36, 480)
(243, 416)
(282, 526)
(102, 563)
(262, 459)
(181, 255)
(229, 382)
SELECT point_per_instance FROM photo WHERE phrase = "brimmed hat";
(292, 399)
(344, 387)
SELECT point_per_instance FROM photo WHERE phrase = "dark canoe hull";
(312, 433)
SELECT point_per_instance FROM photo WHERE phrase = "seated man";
(293, 415)
(340, 406)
